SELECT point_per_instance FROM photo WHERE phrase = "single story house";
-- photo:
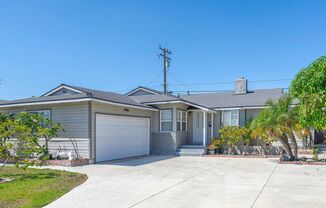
(108, 126)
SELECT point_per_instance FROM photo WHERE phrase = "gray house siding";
(100, 108)
(166, 143)
(73, 118)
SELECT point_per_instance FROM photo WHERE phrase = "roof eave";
(59, 88)
(2, 105)
(142, 88)
(180, 101)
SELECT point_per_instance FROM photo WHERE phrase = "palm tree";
(279, 121)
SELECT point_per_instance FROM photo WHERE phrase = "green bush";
(235, 135)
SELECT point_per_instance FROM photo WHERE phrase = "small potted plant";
(215, 143)
(212, 147)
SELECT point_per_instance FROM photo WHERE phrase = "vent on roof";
(241, 86)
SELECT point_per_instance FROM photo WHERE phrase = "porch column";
(212, 125)
(204, 127)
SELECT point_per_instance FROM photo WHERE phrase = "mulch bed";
(69, 163)
(302, 162)
(243, 156)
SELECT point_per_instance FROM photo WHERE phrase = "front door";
(197, 134)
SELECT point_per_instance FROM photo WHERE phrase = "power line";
(157, 76)
(182, 83)
(230, 82)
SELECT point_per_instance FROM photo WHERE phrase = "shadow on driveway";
(136, 161)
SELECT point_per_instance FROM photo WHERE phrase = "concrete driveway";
(188, 182)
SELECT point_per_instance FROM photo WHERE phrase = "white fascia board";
(45, 102)
(140, 88)
(123, 105)
(75, 101)
(241, 108)
(222, 109)
(180, 101)
(59, 88)
(201, 110)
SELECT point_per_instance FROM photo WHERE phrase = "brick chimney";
(241, 86)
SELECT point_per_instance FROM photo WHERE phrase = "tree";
(279, 121)
(41, 127)
(17, 141)
(309, 87)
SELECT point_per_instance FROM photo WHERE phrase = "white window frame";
(166, 120)
(41, 111)
(223, 115)
(180, 120)
(38, 112)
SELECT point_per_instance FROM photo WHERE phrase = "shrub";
(215, 144)
(235, 135)
(315, 153)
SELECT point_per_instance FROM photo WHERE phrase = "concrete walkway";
(188, 182)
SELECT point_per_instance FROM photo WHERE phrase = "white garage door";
(121, 136)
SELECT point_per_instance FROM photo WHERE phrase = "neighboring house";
(144, 121)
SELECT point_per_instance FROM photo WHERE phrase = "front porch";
(200, 132)
(184, 130)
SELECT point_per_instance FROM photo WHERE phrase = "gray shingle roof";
(154, 98)
(87, 93)
(229, 99)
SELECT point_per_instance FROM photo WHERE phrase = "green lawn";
(36, 187)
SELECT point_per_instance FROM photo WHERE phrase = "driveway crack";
(253, 204)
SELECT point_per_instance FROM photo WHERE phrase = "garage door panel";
(121, 136)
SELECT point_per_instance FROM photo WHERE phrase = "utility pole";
(166, 63)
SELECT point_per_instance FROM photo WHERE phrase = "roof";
(86, 93)
(254, 98)
(155, 98)
(208, 101)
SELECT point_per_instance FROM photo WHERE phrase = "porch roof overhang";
(245, 107)
(181, 101)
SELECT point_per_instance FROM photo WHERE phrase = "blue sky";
(113, 45)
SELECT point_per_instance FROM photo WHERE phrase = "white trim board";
(179, 101)
(59, 88)
(74, 101)
(141, 88)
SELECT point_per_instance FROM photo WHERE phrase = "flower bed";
(69, 163)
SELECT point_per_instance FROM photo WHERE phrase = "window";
(42, 113)
(184, 121)
(46, 114)
(181, 120)
(230, 118)
(166, 120)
